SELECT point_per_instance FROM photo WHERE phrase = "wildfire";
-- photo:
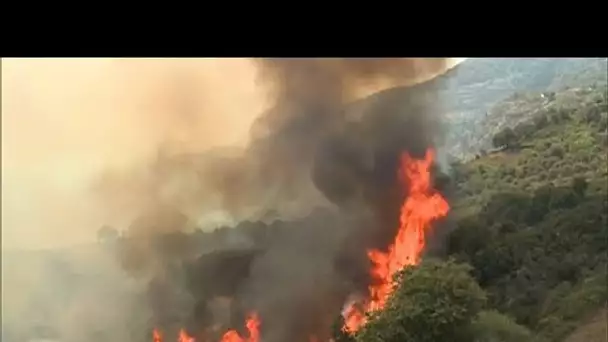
(183, 336)
(252, 324)
(157, 336)
(421, 207)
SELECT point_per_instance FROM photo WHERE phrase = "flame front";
(253, 327)
(422, 206)
(252, 324)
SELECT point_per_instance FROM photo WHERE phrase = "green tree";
(434, 302)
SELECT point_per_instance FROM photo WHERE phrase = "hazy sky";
(66, 120)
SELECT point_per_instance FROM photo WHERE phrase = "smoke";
(352, 156)
(313, 148)
(66, 123)
(136, 144)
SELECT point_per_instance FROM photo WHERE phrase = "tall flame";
(422, 206)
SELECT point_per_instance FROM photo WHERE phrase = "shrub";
(540, 121)
(557, 151)
(492, 326)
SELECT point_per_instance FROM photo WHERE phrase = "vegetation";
(532, 223)
(488, 95)
(434, 302)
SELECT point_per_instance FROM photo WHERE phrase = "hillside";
(478, 84)
(531, 219)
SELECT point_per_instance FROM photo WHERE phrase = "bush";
(556, 151)
(592, 114)
(579, 185)
(603, 123)
(568, 307)
(550, 162)
(524, 130)
(506, 137)
(492, 326)
(567, 171)
(580, 167)
(540, 121)
(553, 174)
(564, 114)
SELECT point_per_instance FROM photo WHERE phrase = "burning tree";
(421, 207)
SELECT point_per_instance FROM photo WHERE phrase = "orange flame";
(252, 324)
(422, 206)
(184, 337)
(157, 336)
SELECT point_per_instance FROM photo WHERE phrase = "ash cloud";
(314, 148)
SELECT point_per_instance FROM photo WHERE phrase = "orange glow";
(422, 206)
(252, 324)
(184, 337)
(156, 336)
(253, 327)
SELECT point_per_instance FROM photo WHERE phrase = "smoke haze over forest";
(68, 122)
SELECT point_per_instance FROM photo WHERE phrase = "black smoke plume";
(314, 149)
